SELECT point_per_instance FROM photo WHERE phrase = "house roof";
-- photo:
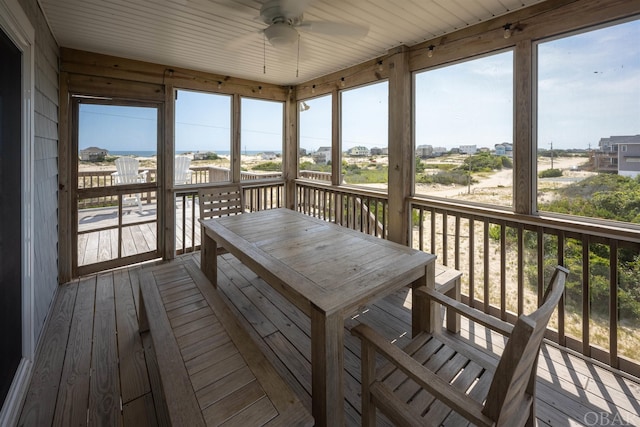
(224, 37)
(93, 149)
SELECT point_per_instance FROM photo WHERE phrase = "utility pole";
(469, 176)
(551, 143)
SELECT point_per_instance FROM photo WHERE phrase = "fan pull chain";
(298, 58)
(264, 53)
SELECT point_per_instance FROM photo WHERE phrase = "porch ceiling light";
(507, 31)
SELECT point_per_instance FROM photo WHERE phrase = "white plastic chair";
(127, 173)
(181, 171)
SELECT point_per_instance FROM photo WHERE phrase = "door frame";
(15, 24)
(76, 101)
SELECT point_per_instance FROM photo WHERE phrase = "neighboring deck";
(92, 366)
(98, 243)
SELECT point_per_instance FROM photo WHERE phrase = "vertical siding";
(45, 156)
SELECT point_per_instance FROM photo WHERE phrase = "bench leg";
(453, 318)
(209, 258)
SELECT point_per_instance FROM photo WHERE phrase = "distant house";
(439, 151)
(268, 155)
(468, 149)
(358, 151)
(424, 151)
(203, 155)
(610, 153)
(504, 149)
(93, 154)
(376, 151)
(322, 156)
(628, 155)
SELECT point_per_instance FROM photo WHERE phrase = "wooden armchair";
(440, 376)
(216, 202)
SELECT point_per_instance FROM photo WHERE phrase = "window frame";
(340, 145)
(231, 131)
(415, 73)
(555, 216)
(239, 143)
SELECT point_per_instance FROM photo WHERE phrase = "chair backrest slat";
(220, 201)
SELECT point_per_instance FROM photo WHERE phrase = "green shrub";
(456, 177)
(550, 173)
(268, 167)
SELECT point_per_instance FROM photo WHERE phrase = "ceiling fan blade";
(344, 29)
(293, 8)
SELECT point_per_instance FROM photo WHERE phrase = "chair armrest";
(115, 174)
(478, 316)
(442, 390)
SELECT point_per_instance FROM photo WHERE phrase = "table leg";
(327, 367)
(209, 257)
(425, 315)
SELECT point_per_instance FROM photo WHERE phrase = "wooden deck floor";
(92, 368)
(97, 244)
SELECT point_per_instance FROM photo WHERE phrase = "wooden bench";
(211, 371)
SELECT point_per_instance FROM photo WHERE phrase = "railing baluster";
(432, 211)
(613, 303)
(472, 262)
(521, 257)
(486, 260)
(503, 270)
(540, 282)
(445, 237)
(421, 228)
(586, 307)
(561, 304)
(457, 244)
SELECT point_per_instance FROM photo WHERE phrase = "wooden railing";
(507, 259)
(217, 174)
(199, 175)
(257, 197)
(353, 208)
(315, 175)
(105, 178)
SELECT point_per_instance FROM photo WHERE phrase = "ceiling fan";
(284, 18)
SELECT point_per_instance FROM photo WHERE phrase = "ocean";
(153, 153)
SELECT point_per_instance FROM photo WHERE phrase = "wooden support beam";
(291, 149)
(400, 144)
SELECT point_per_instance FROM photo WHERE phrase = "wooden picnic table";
(327, 271)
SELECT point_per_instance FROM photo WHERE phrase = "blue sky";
(588, 88)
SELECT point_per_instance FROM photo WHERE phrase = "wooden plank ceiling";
(225, 36)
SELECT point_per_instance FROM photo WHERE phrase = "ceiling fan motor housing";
(281, 34)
